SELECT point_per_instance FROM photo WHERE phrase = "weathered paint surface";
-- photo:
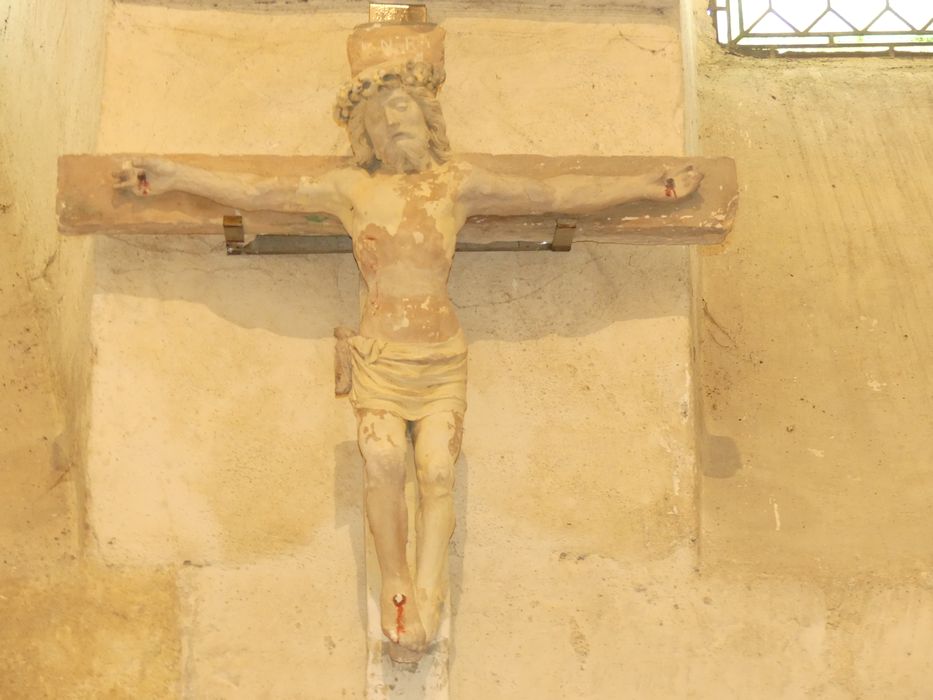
(88, 205)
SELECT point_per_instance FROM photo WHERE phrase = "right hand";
(146, 176)
(678, 182)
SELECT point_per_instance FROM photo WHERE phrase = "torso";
(404, 230)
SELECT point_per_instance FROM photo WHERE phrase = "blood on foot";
(669, 190)
(399, 601)
(142, 183)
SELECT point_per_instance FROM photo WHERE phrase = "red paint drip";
(399, 600)
(669, 190)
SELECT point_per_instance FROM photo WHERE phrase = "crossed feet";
(409, 632)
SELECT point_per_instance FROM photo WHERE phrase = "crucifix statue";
(403, 199)
(403, 202)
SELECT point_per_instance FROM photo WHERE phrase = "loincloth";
(410, 380)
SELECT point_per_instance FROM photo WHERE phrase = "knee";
(436, 475)
(384, 465)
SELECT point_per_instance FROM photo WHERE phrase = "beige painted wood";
(88, 204)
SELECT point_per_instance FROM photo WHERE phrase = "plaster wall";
(815, 448)
(816, 334)
(213, 392)
(69, 629)
(50, 80)
(216, 444)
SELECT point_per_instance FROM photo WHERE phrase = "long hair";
(362, 146)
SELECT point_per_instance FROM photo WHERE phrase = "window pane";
(800, 13)
(784, 26)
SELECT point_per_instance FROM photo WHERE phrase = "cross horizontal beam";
(88, 204)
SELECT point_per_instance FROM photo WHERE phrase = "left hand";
(146, 176)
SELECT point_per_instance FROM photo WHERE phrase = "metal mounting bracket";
(393, 13)
(234, 235)
(563, 235)
(303, 244)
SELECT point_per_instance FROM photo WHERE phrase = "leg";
(383, 441)
(437, 445)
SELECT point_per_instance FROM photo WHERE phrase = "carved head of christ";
(390, 105)
(398, 129)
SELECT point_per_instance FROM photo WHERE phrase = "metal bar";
(274, 244)
(723, 11)
(842, 51)
(877, 17)
(297, 244)
(814, 22)
(741, 19)
(842, 18)
(898, 15)
(783, 19)
(803, 35)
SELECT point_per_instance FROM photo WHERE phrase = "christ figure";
(402, 201)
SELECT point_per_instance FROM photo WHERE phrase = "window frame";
(730, 12)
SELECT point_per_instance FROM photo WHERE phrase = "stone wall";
(226, 549)
(816, 331)
(216, 444)
(70, 628)
(815, 341)
(51, 81)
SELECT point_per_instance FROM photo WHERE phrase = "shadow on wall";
(719, 456)
(499, 296)
(348, 511)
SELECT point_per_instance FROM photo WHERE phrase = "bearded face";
(398, 131)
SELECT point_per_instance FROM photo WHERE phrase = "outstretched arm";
(504, 195)
(153, 176)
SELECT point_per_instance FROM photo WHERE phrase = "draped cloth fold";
(410, 380)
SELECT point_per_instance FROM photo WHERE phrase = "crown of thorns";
(367, 84)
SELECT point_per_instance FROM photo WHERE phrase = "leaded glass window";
(825, 26)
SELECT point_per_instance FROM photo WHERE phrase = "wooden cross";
(239, 197)
(88, 204)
